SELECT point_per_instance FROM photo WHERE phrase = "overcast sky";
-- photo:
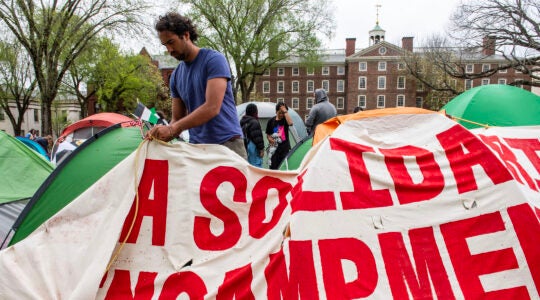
(399, 18)
(355, 18)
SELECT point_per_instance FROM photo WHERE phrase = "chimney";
(350, 45)
(488, 45)
(407, 43)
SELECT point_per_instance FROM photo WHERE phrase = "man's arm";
(181, 120)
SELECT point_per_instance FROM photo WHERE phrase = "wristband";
(170, 130)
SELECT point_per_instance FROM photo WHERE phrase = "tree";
(254, 35)
(54, 33)
(508, 27)
(432, 68)
(122, 80)
(17, 83)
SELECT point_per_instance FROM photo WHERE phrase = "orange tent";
(325, 129)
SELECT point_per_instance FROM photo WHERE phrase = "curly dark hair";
(174, 22)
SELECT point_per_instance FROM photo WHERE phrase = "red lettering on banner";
(453, 141)
(429, 269)
(406, 190)
(237, 285)
(469, 267)
(257, 211)
(527, 227)
(509, 159)
(333, 252)
(156, 175)
(120, 287)
(531, 148)
(301, 282)
(363, 196)
(232, 229)
(311, 201)
(183, 282)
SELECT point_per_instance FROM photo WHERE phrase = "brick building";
(374, 77)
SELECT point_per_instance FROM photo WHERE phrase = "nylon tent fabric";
(78, 132)
(495, 105)
(325, 129)
(294, 158)
(34, 146)
(22, 169)
(89, 162)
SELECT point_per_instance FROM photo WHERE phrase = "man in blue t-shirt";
(201, 91)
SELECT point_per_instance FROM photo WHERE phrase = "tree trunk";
(46, 112)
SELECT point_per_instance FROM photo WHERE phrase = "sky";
(417, 18)
(355, 18)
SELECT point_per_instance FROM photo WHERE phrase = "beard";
(179, 56)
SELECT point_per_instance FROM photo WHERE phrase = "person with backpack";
(253, 137)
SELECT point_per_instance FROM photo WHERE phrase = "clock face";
(382, 50)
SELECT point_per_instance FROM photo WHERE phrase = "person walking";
(201, 91)
(253, 136)
(320, 112)
(277, 133)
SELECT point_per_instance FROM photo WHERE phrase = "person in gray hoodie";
(320, 112)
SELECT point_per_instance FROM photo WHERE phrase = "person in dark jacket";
(253, 135)
(277, 133)
(320, 112)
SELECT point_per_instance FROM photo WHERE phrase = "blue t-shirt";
(188, 82)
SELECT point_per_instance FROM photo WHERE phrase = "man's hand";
(160, 132)
(261, 153)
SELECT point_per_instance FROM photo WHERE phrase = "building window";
(362, 66)
(295, 71)
(401, 82)
(280, 100)
(401, 66)
(362, 82)
(381, 83)
(400, 101)
(310, 86)
(486, 67)
(362, 101)
(309, 103)
(281, 86)
(340, 86)
(36, 115)
(310, 71)
(382, 66)
(419, 101)
(326, 85)
(380, 101)
(502, 70)
(281, 71)
(295, 103)
(382, 50)
(2, 115)
(468, 84)
(485, 81)
(419, 86)
(501, 81)
(340, 102)
(325, 71)
(266, 87)
(266, 99)
(266, 72)
(295, 86)
(469, 68)
(517, 71)
(341, 70)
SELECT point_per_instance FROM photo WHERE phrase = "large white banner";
(400, 206)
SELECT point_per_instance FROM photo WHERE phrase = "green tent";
(495, 105)
(296, 155)
(80, 170)
(22, 169)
